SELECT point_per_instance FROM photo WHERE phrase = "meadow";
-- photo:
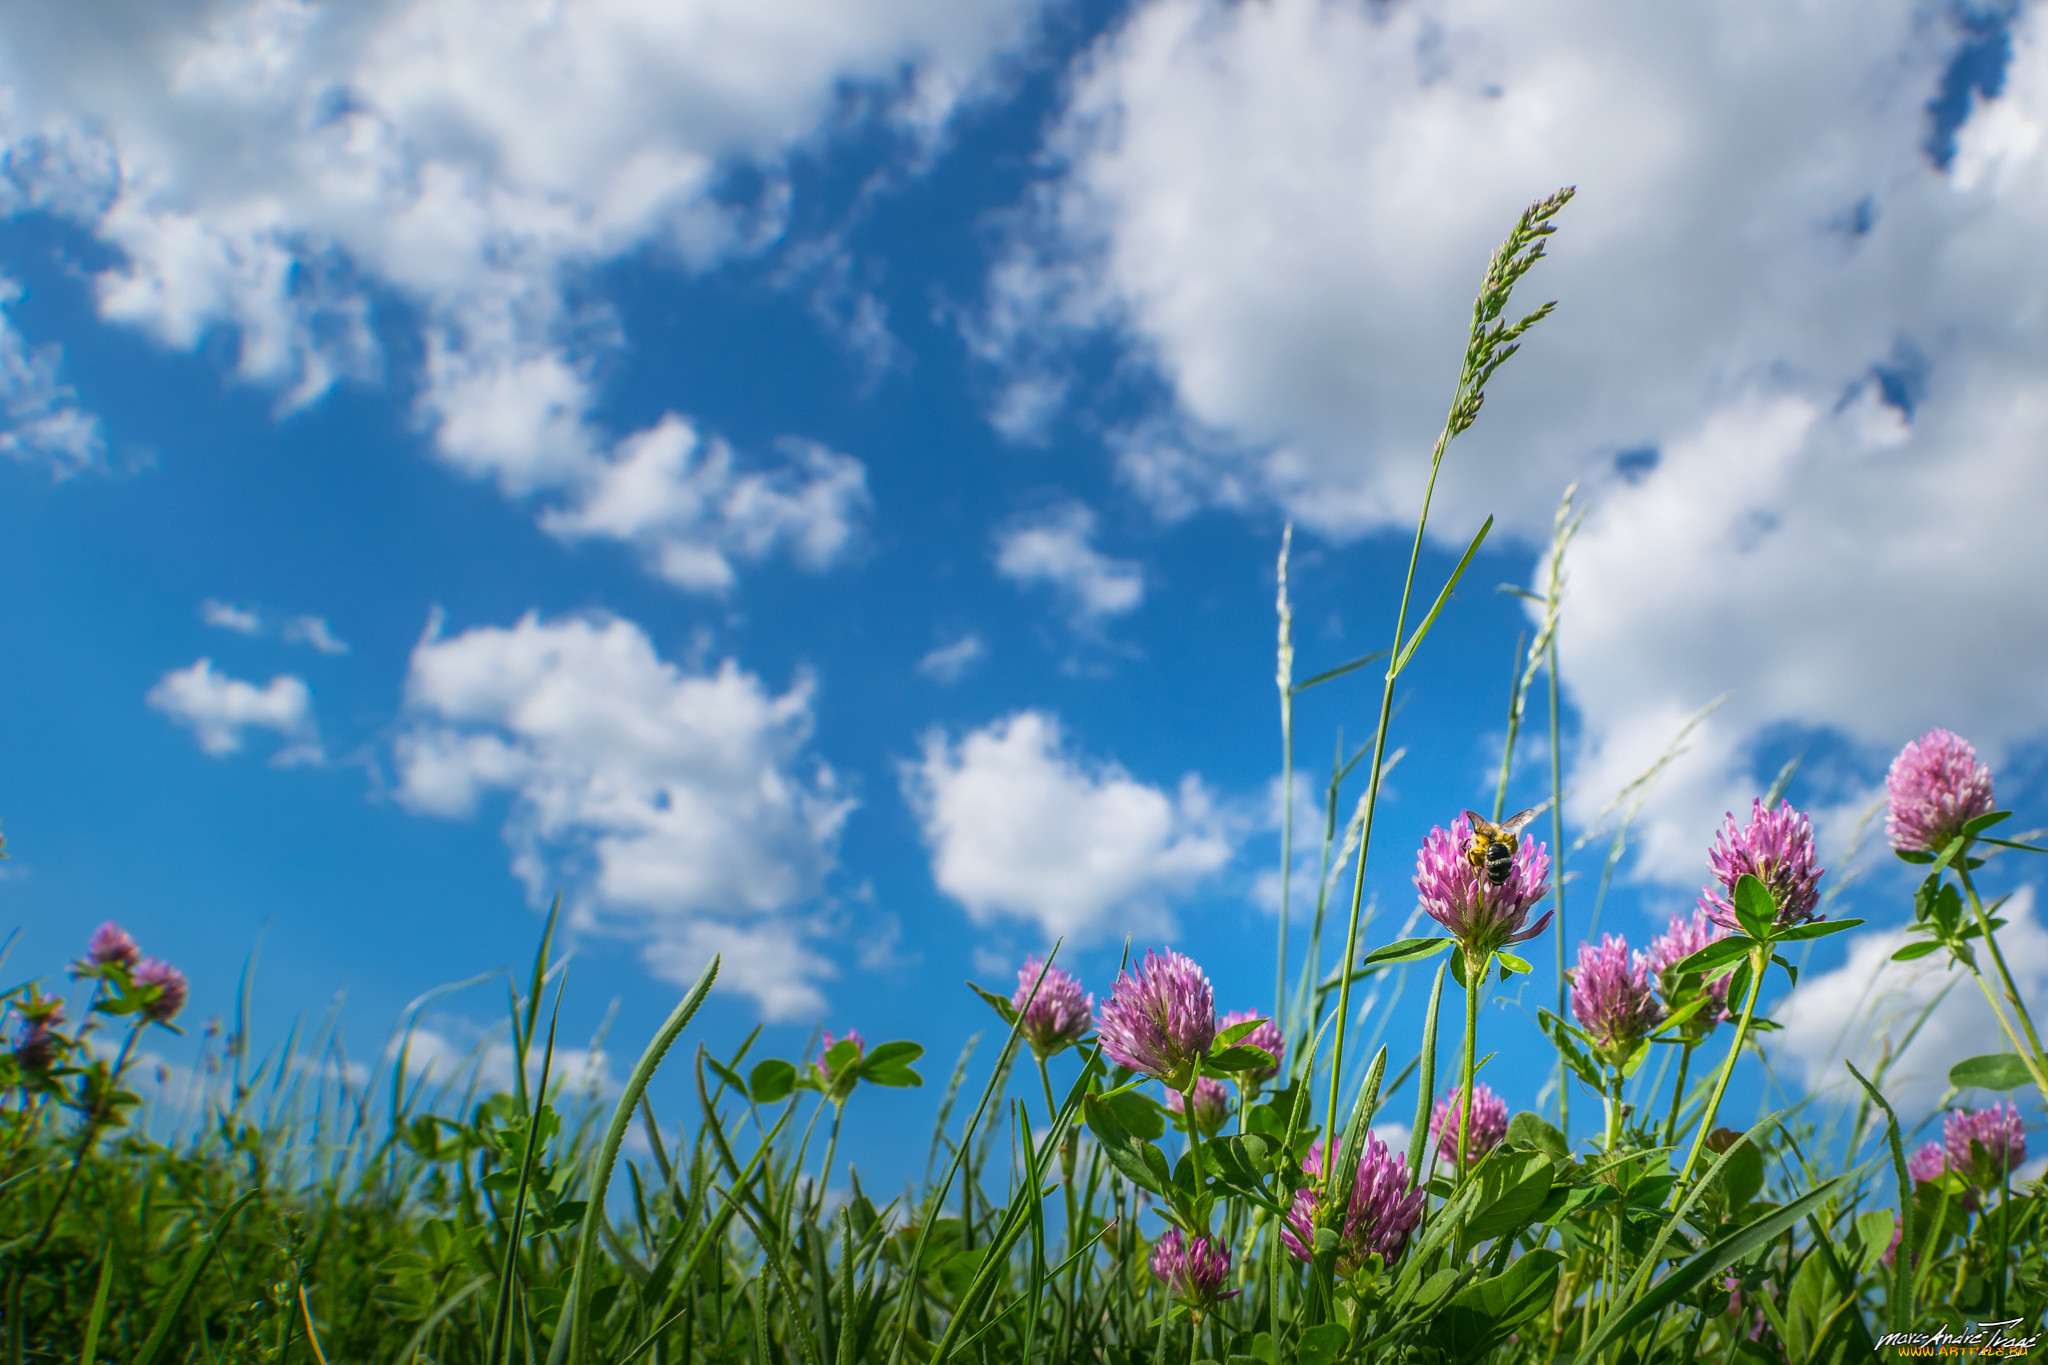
(1139, 1181)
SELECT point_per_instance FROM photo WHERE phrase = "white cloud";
(1871, 1003)
(1282, 210)
(681, 501)
(218, 710)
(447, 1050)
(951, 662)
(1020, 828)
(228, 616)
(265, 167)
(1052, 547)
(298, 630)
(314, 631)
(40, 420)
(680, 808)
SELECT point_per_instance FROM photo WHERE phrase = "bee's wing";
(1517, 823)
(1481, 825)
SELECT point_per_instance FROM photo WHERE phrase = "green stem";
(1759, 958)
(1285, 679)
(2012, 994)
(1678, 1094)
(1564, 1088)
(1472, 983)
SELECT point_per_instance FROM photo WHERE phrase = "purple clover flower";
(1611, 995)
(1984, 1144)
(36, 1048)
(1776, 847)
(1212, 1105)
(1192, 1268)
(1059, 1015)
(1935, 787)
(1929, 1163)
(154, 971)
(1265, 1037)
(1381, 1214)
(1161, 1021)
(1457, 895)
(1489, 1122)
(110, 944)
(1686, 936)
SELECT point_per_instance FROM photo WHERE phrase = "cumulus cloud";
(228, 616)
(1797, 359)
(691, 513)
(1053, 547)
(951, 662)
(1021, 828)
(1866, 1007)
(220, 710)
(266, 167)
(40, 420)
(679, 808)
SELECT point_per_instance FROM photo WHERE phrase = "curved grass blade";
(1418, 1138)
(440, 1315)
(89, 1352)
(1708, 1262)
(1901, 1303)
(573, 1331)
(196, 1262)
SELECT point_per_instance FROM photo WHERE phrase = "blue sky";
(808, 486)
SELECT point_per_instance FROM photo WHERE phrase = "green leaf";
(1754, 908)
(999, 1004)
(1234, 1034)
(1715, 954)
(1415, 640)
(1512, 1186)
(1510, 964)
(195, 1265)
(1339, 671)
(1819, 928)
(1993, 1071)
(1243, 1057)
(1406, 950)
(1706, 1264)
(1918, 949)
(1528, 1129)
(1139, 1162)
(1873, 1235)
(1742, 1177)
(1738, 987)
(893, 1054)
(1322, 1344)
(897, 1077)
(1978, 824)
(1139, 1114)
(1480, 1316)
(771, 1081)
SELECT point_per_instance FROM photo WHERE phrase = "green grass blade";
(1330, 674)
(1708, 1262)
(1418, 1136)
(572, 1332)
(442, 1312)
(1422, 629)
(89, 1352)
(1901, 1295)
(501, 1314)
(195, 1265)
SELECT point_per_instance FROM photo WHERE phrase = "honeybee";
(1493, 846)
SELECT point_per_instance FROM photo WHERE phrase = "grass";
(291, 1207)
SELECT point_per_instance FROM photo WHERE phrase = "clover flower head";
(1984, 1144)
(1489, 1122)
(1929, 1163)
(1160, 1020)
(1457, 895)
(1382, 1211)
(1611, 994)
(1265, 1037)
(36, 1048)
(1193, 1269)
(1686, 936)
(110, 944)
(154, 971)
(1059, 1014)
(1934, 788)
(1775, 847)
(1212, 1105)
